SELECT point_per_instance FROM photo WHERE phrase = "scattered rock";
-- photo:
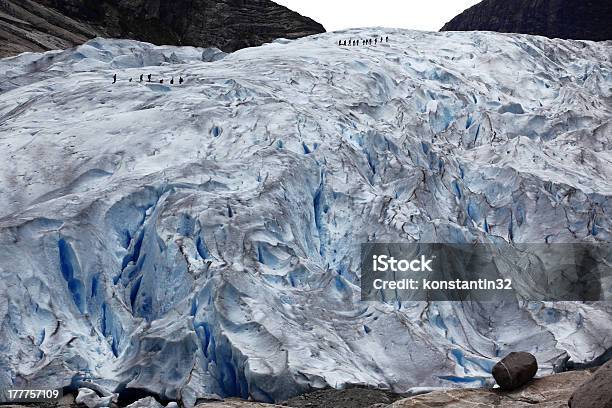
(547, 392)
(596, 392)
(66, 400)
(91, 399)
(86, 395)
(235, 403)
(565, 364)
(99, 389)
(355, 397)
(148, 402)
(515, 370)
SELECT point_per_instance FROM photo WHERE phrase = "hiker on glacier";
(115, 79)
(181, 80)
(172, 81)
(141, 77)
(149, 77)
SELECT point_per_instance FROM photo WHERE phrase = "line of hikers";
(149, 79)
(368, 41)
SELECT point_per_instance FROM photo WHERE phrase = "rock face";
(547, 392)
(226, 24)
(596, 392)
(91, 399)
(567, 19)
(515, 370)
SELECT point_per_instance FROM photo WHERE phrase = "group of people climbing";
(349, 42)
(149, 79)
(368, 41)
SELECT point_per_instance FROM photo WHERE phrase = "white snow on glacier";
(204, 238)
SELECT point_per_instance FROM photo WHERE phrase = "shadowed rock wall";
(568, 19)
(27, 25)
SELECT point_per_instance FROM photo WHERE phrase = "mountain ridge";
(571, 19)
(27, 25)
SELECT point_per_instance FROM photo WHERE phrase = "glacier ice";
(203, 239)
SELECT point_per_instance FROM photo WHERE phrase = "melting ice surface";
(204, 238)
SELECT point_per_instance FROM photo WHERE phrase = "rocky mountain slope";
(569, 19)
(205, 238)
(27, 25)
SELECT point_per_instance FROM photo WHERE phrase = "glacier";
(203, 239)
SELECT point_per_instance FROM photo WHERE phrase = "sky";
(428, 15)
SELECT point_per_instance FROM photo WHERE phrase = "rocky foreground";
(546, 392)
(578, 389)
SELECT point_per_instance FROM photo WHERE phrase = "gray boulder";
(91, 399)
(148, 402)
(515, 370)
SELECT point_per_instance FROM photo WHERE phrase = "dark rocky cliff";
(568, 19)
(27, 25)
